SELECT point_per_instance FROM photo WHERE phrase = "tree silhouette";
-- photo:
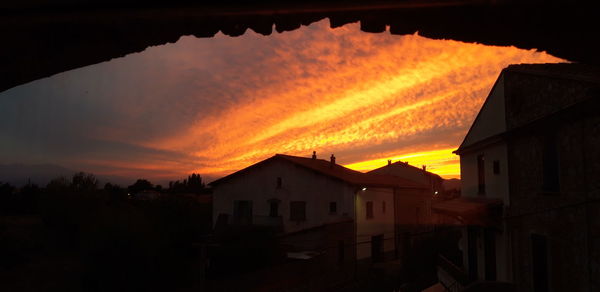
(59, 184)
(84, 182)
(193, 184)
(140, 185)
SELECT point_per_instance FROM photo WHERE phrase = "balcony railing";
(452, 277)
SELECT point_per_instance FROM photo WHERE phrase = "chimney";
(314, 156)
(389, 162)
(332, 161)
(424, 168)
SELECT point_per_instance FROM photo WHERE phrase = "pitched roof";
(572, 71)
(471, 210)
(336, 171)
(404, 165)
(575, 71)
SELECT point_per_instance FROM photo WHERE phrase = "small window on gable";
(369, 207)
(332, 207)
(279, 182)
(383, 207)
(496, 167)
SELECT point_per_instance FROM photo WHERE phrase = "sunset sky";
(214, 106)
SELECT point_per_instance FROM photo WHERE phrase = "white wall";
(491, 119)
(381, 223)
(496, 185)
(259, 185)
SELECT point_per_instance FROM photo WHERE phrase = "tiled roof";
(336, 171)
(401, 164)
(472, 211)
(466, 205)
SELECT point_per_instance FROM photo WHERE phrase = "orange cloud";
(214, 106)
(353, 94)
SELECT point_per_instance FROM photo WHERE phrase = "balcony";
(452, 277)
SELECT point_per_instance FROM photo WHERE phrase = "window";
(496, 167)
(383, 207)
(550, 180)
(539, 253)
(274, 209)
(341, 251)
(242, 212)
(489, 247)
(472, 234)
(332, 207)
(377, 248)
(481, 174)
(298, 211)
(279, 182)
(369, 210)
(417, 213)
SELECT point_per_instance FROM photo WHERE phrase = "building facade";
(299, 194)
(530, 168)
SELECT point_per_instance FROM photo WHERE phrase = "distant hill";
(451, 184)
(40, 174)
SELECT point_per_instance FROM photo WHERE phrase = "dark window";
(274, 209)
(550, 164)
(383, 207)
(496, 167)
(341, 251)
(332, 207)
(417, 211)
(279, 182)
(481, 173)
(298, 211)
(369, 210)
(539, 252)
(489, 242)
(377, 248)
(242, 212)
(472, 252)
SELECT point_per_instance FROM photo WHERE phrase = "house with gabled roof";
(303, 193)
(529, 167)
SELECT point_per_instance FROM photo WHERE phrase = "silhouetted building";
(414, 209)
(530, 170)
(301, 195)
(409, 172)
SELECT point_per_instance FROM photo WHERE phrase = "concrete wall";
(381, 223)
(568, 217)
(298, 184)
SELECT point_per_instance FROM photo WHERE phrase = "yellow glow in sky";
(442, 162)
